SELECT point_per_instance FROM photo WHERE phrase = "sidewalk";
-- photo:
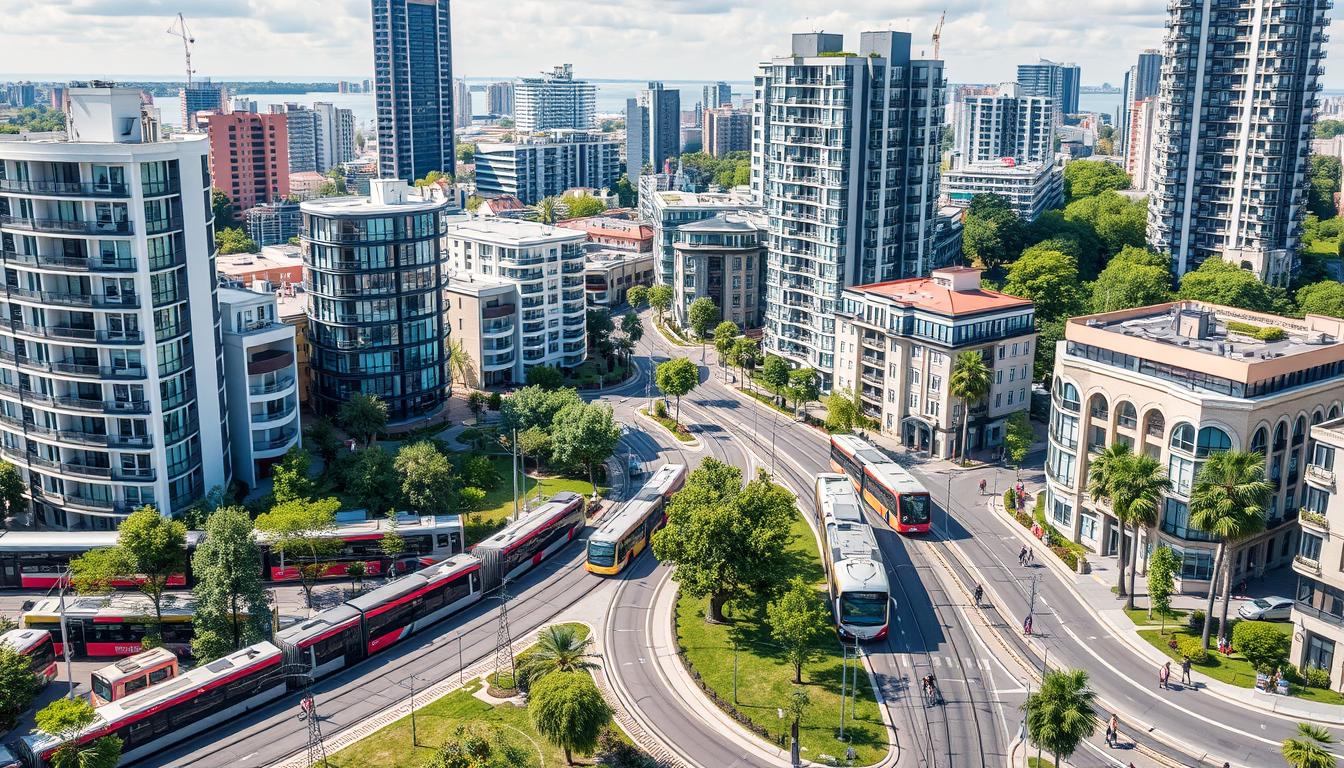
(1094, 589)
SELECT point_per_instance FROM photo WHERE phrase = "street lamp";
(410, 683)
(65, 634)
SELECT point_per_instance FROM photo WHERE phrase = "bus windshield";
(602, 553)
(863, 609)
(914, 508)
(101, 688)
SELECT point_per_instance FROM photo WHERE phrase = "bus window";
(914, 508)
(863, 609)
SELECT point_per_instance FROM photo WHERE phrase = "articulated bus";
(884, 485)
(111, 626)
(857, 578)
(37, 645)
(628, 532)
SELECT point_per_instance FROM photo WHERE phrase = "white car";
(1266, 609)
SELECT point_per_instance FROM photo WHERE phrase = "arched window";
(1260, 441)
(1281, 436)
(1127, 417)
(1212, 440)
(1155, 424)
(1317, 417)
(1183, 438)
(1334, 413)
(1099, 407)
(1070, 398)
(1299, 430)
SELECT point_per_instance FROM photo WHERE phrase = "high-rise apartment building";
(375, 278)
(554, 100)
(413, 84)
(537, 166)
(1059, 82)
(846, 164)
(335, 136)
(248, 159)
(499, 99)
(1318, 614)
(726, 130)
(717, 95)
(1234, 121)
(200, 96)
(1141, 82)
(1007, 123)
(461, 103)
(301, 136)
(652, 128)
(111, 376)
(1141, 143)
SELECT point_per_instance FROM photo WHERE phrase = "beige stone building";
(1178, 382)
(1319, 610)
(896, 344)
(483, 317)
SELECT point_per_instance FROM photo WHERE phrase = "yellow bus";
(622, 537)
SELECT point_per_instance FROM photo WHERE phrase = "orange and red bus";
(37, 645)
(131, 674)
(885, 486)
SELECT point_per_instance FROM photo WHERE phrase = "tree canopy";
(568, 711)
(702, 315)
(797, 620)
(151, 549)
(534, 406)
(295, 530)
(234, 240)
(1218, 282)
(1323, 298)
(363, 417)
(427, 482)
(1050, 280)
(230, 596)
(584, 435)
(677, 377)
(18, 686)
(584, 205)
(1085, 178)
(373, 480)
(1135, 277)
(1323, 185)
(992, 234)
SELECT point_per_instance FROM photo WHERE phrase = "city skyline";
(628, 39)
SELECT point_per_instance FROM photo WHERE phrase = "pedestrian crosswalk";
(944, 662)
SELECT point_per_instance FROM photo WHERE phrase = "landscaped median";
(678, 431)
(713, 652)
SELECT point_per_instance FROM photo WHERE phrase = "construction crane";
(179, 29)
(938, 35)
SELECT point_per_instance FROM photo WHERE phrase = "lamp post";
(65, 634)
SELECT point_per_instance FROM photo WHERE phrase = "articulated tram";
(855, 573)
(161, 715)
(628, 532)
(105, 626)
(884, 485)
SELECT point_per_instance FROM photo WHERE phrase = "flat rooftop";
(270, 257)
(675, 198)
(607, 258)
(476, 285)
(512, 232)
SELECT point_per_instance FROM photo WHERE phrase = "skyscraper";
(113, 391)
(1141, 81)
(1006, 124)
(499, 99)
(554, 100)
(652, 129)
(461, 103)
(301, 130)
(717, 95)
(846, 164)
(1234, 124)
(248, 158)
(726, 130)
(413, 85)
(201, 96)
(335, 136)
(1059, 82)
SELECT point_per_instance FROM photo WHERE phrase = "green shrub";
(660, 409)
(1316, 677)
(496, 400)
(1069, 557)
(1196, 623)
(1261, 332)
(1192, 648)
(1009, 500)
(1263, 645)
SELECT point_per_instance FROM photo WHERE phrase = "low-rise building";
(1030, 188)
(669, 209)
(897, 344)
(1178, 382)
(278, 265)
(949, 227)
(609, 273)
(292, 309)
(721, 258)
(261, 379)
(483, 314)
(1318, 614)
(273, 223)
(541, 165)
(305, 184)
(544, 265)
(617, 234)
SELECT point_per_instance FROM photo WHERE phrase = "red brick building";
(621, 234)
(249, 157)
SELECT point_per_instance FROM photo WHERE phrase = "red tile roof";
(923, 292)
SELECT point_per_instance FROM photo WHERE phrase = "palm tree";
(548, 210)
(971, 381)
(560, 648)
(1308, 749)
(1228, 501)
(459, 363)
(1061, 714)
(1104, 476)
(1143, 490)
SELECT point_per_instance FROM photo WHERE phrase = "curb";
(694, 444)
(1129, 636)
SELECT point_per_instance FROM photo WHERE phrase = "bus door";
(356, 648)
(75, 630)
(9, 571)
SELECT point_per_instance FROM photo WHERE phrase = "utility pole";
(503, 639)
(513, 471)
(65, 634)
(409, 682)
(1031, 607)
(844, 680)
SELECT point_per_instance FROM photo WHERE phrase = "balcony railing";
(270, 444)
(92, 300)
(1325, 477)
(65, 188)
(72, 263)
(1304, 563)
(279, 385)
(1312, 519)
(64, 226)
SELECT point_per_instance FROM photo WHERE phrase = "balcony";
(65, 188)
(1320, 475)
(79, 502)
(270, 361)
(162, 226)
(501, 310)
(75, 334)
(282, 440)
(1314, 520)
(66, 227)
(1305, 565)
(82, 300)
(267, 417)
(279, 385)
(73, 264)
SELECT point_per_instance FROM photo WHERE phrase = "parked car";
(1266, 609)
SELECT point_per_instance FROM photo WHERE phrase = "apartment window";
(1309, 547)
(935, 383)
(998, 376)
(998, 400)
(1060, 465)
(1010, 397)
(916, 352)
(931, 408)
(914, 378)
(1003, 351)
(1182, 473)
(1012, 375)
(912, 402)
(1324, 457)
(1014, 350)
(1087, 525)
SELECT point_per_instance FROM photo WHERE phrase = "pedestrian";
(982, 486)
(979, 594)
(1031, 557)
(1113, 731)
(1026, 627)
(1164, 675)
(1185, 671)
(1022, 556)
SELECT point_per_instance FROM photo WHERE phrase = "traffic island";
(679, 431)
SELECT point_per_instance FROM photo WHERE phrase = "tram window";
(135, 684)
(159, 675)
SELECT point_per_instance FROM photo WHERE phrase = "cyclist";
(979, 593)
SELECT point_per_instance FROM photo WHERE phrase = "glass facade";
(413, 76)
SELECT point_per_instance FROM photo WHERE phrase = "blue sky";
(672, 39)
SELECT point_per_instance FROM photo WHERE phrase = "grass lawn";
(672, 335)
(764, 680)
(1140, 617)
(436, 723)
(1234, 669)
(671, 426)
(1043, 762)
(498, 504)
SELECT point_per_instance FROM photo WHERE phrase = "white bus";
(855, 573)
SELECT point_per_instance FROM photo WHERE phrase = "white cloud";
(983, 40)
